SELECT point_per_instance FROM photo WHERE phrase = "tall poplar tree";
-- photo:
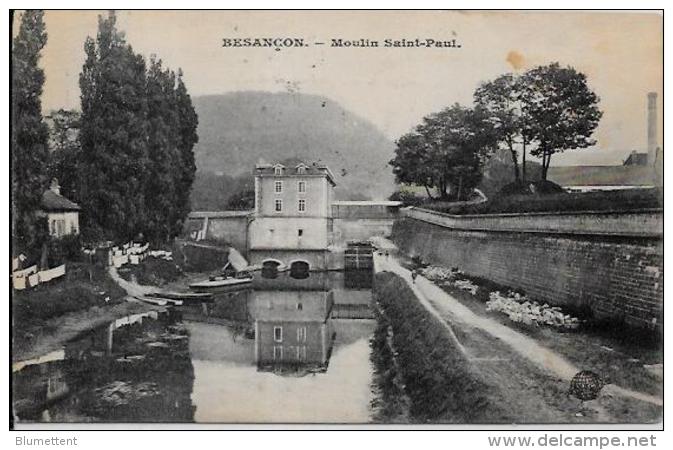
(113, 134)
(161, 188)
(65, 151)
(29, 141)
(188, 138)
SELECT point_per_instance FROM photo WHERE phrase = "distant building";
(296, 224)
(639, 170)
(293, 214)
(62, 214)
(636, 159)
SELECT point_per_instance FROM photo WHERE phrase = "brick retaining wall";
(614, 276)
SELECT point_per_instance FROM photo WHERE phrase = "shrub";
(83, 287)
(152, 271)
(623, 200)
(65, 249)
(407, 198)
(440, 383)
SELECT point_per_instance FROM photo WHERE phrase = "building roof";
(636, 159)
(629, 175)
(51, 201)
(291, 167)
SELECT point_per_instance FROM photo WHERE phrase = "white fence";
(118, 256)
(128, 253)
(30, 277)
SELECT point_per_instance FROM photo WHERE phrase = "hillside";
(239, 129)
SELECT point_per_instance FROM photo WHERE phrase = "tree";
(563, 111)
(411, 164)
(446, 151)
(498, 173)
(29, 141)
(187, 139)
(113, 134)
(65, 151)
(502, 99)
(163, 158)
(242, 201)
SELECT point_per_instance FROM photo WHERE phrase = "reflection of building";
(639, 169)
(293, 215)
(292, 328)
(62, 214)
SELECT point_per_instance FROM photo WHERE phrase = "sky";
(621, 54)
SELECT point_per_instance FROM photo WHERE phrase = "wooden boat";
(174, 302)
(160, 301)
(221, 282)
(153, 301)
(184, 296)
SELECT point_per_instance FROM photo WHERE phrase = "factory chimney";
(651, 127)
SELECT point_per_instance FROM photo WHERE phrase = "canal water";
(283, 351)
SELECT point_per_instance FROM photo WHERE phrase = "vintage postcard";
(356, 218)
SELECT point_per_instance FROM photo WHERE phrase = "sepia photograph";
(315, 218)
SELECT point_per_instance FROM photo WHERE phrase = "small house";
(62, 214)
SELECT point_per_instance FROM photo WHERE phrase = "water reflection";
(285, 350)
(138, 370)
(293, 329)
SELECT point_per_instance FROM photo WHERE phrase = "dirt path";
(455, 315)
(70, 325)
(131, 288)
(66, 327)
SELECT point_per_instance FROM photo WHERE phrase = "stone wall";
(616, 275)
(361, 229)
(224, 227)
(316, 259)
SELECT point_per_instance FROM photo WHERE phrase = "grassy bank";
(625, 200)
(390, 404)
(36, 310)
(152, 272)
(201, 256)
(440, 383)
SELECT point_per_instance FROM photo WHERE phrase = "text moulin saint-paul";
(279, 43)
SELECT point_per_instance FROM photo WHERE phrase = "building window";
(301, 334)
(301, 169)
(277, 352)
(278, 187)
(301, 187)
(300, 232)
(58, 227)
(278, 334)
(302, 205)
(300, 306)
(278, 170)
(301, 352)
(279, 205)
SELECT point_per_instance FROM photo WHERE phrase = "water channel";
(283, 351)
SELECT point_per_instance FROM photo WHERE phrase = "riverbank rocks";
(453, 277)
(521, 310)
